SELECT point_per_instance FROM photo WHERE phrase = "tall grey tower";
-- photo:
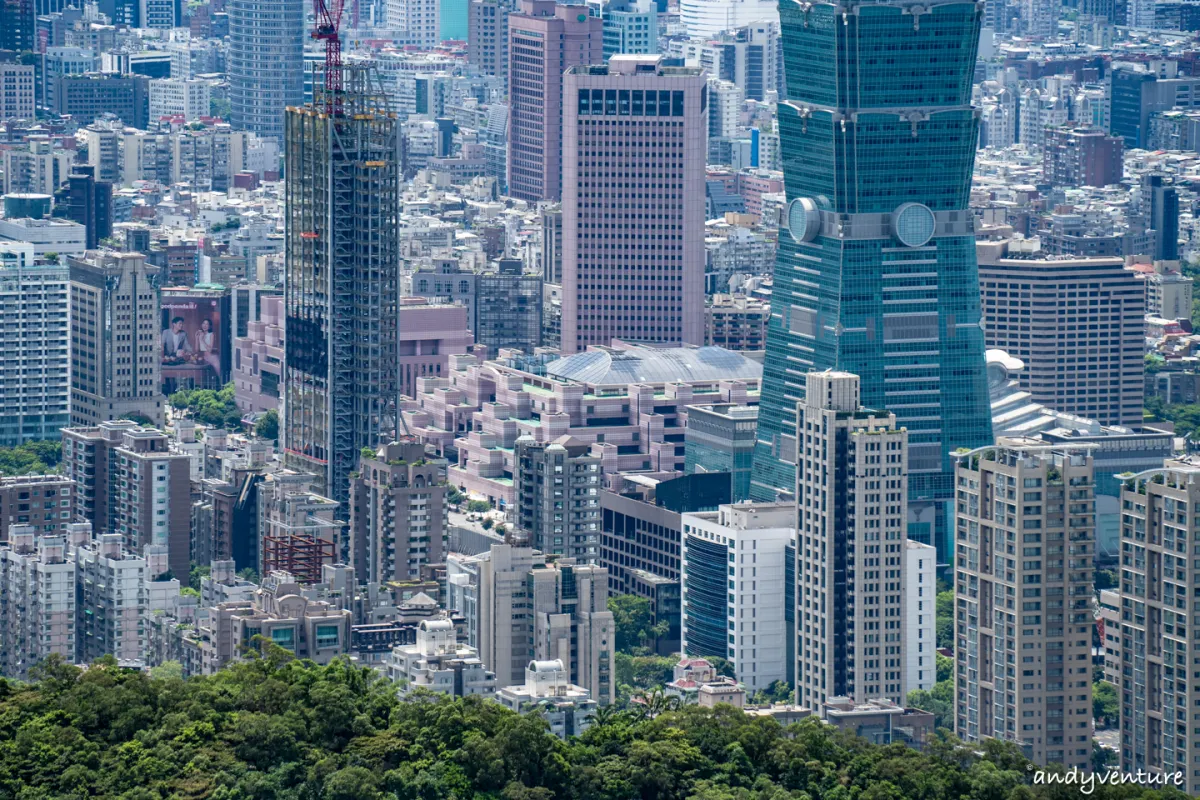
(266, 63)
(342, 261)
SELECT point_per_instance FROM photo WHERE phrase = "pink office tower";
(544, 39)
(634, 141)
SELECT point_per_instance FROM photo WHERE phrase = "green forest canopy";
(281, 729)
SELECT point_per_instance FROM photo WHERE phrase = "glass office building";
(876, 270)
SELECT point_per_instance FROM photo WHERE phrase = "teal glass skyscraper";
(876, 270)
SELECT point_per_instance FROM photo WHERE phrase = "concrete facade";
(1025, 531)
(633, 265)
(398, 516)
(543, 40)
(1085, 313)
(861, 616)
(114, 298)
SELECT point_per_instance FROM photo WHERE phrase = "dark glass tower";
(340, 382)
(876, 270)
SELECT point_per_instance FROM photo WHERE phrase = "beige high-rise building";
(129, 481)
(116, 350)
(1160, 631)
(865, 593)
(37, 600)
(1025, 539)
(487, 36)
(1076, 322)
(529, 610)
(397, 514)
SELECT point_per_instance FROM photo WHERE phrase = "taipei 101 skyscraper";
(876, 270)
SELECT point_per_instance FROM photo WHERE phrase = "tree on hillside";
(280, 728)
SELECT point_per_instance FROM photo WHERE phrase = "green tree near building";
(31, 458)
(634, 618)
(212, 407)
(267, 426)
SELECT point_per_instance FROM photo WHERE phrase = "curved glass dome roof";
(607, 366)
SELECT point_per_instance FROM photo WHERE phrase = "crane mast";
(328, 16)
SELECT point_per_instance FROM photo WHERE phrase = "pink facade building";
(628, 404)
(258, 359)
(753, 184)
(634, 142)
(544, 39)
(429, 334)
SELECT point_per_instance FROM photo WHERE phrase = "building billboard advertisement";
(195, 341)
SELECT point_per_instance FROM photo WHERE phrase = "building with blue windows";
(876, 270)
(720, 438)
(732, 572)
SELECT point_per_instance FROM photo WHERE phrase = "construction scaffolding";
(342, 265)
(299, 555)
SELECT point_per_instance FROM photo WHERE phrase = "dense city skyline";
(613, 367)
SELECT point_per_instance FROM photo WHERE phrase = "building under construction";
(342, 261)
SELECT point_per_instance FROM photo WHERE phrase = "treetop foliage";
(212, 407)
(31, 458)
(274, 728)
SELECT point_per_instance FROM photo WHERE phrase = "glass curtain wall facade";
(876, 271)
(342, 255)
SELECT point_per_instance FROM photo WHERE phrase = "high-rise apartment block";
(16, 91)
(634, 146)
(865, 593)
(487, 36)
(129, 481)
(876, 260)
(748, 55)
(557, 487)
(1025, 538)
(1082, 157)
(266, 62)
(398, 516)
(1077, 323)
(116, 349)
(37, 600)
(342, 255)
(45, 503)
(1159, 640)
(733, 572)
(528, 609)
(111, 587)
(34, 335)
(544, 39)
(180, 97)
(38, 167)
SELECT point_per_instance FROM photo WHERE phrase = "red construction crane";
(328, 18)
